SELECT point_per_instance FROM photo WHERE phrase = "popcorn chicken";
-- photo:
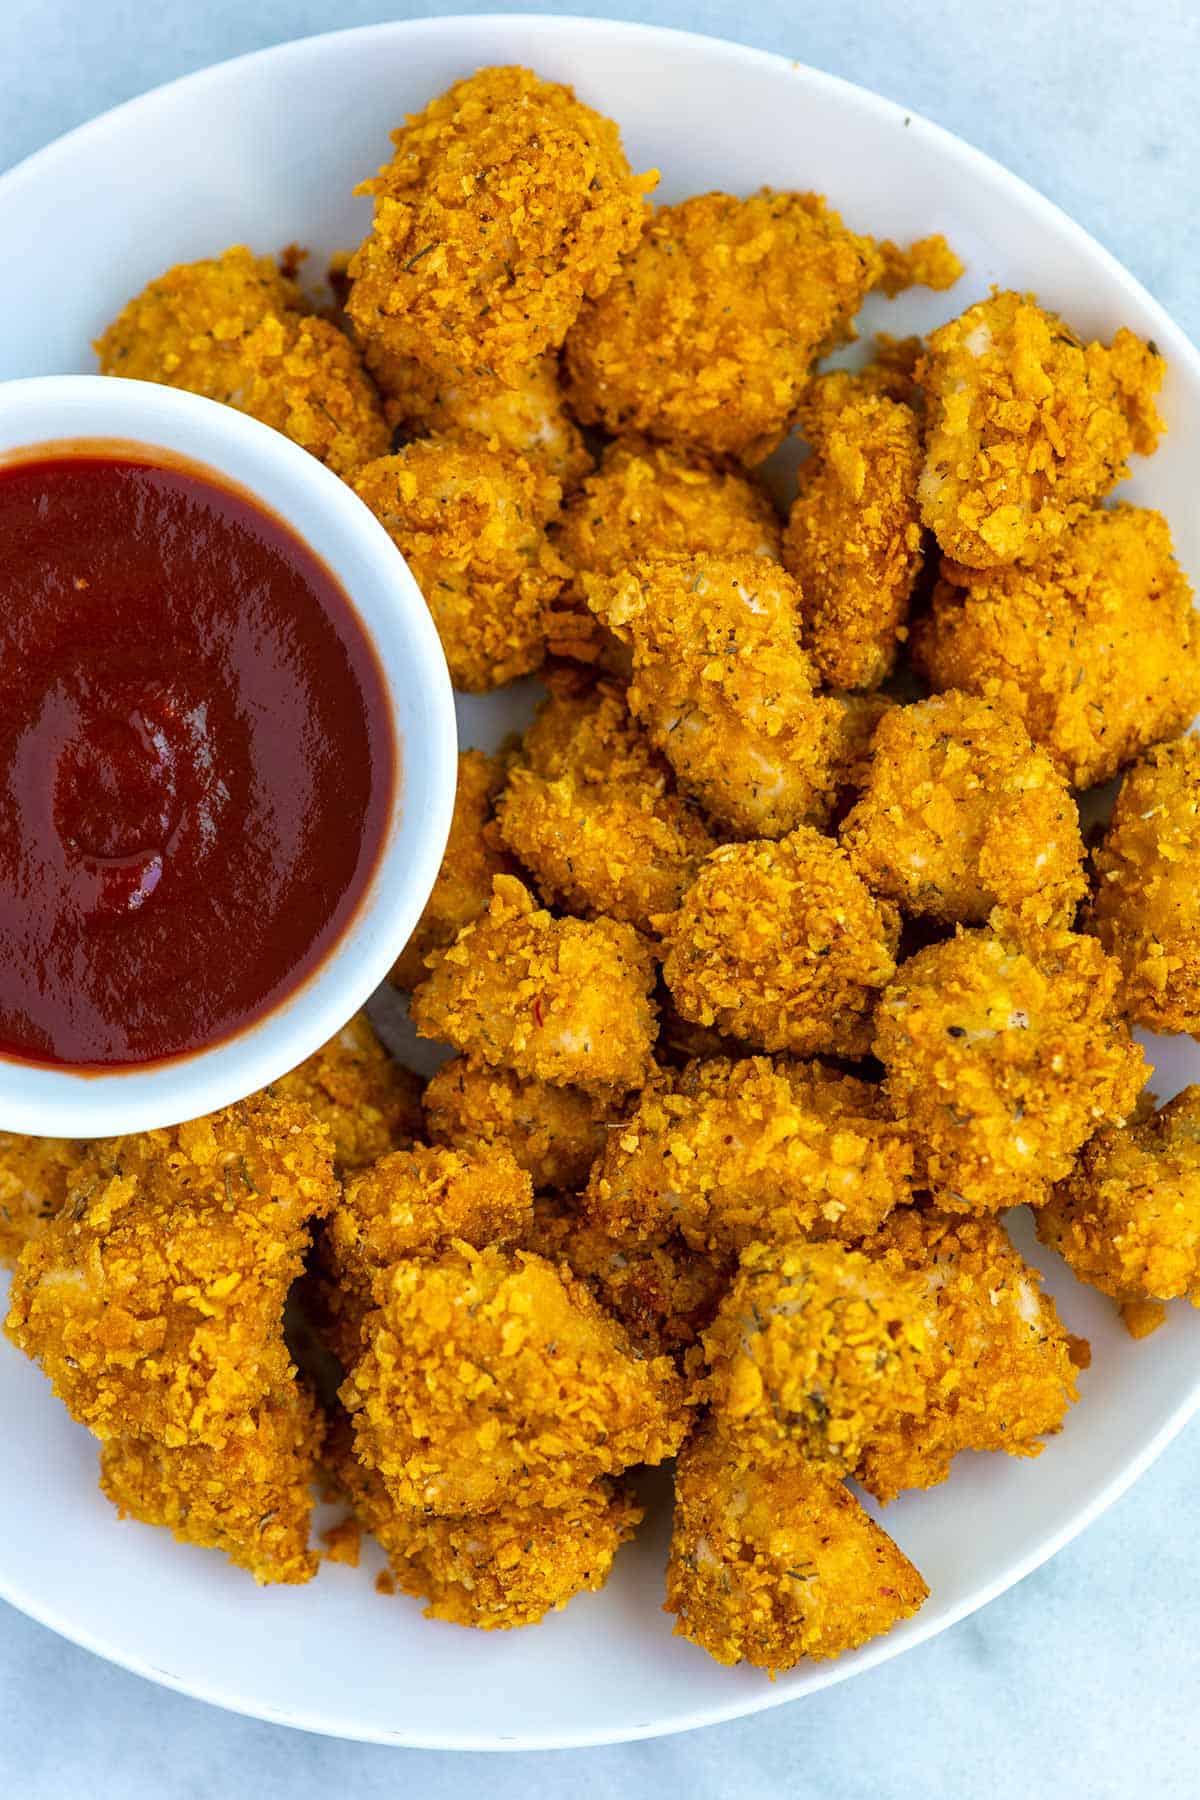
(506, 203)
(708, 333)
(1127, 1217)
(487, 1380)
(773, 1564)
(1003, 1059)
(732, 1152)
(1146, 910)
(1095, 647)
(960, 813)
(469, 518)
(593, 813)
(853, 539)
(154, 1301)
(725, 691)
(1028, 427)
(781, 944)
(234, 329)
(558, 1000)
(814, 1350)
(1000, 1370)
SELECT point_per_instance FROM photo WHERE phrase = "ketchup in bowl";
(197, 759)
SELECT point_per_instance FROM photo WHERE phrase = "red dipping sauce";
(197, 759)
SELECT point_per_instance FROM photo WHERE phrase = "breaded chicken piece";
(816, 1347)
(36, 1174)
(729, 1152)
(560, 1000)
(961, 813)
(724, 689)
(469, 518)
(662, 1290)
(154, 1301)
(1096, 648)
(474, 854)
(506, 203)
(853, 540)
(428, 1196)
(489, 1380)
(646, 501)
(251, 1498)
(1127, 1217)
(1003, 1059)
(509, 1568)
(782, 945)
(772, 1564)
(1146, 910)
(592, 811)
(368, 1101)
(1028, 427)
(929, 262)
(1000, 1370)
(415, 1200)
(554, 1133)
(235, 330)
(708, 333)
(529, 417)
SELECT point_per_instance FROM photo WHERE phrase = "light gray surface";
(1082, 1682)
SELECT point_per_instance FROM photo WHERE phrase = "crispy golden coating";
(1146, 910)
(592, 811)
(509, 1568)
(561, 1000)
(154, 1301)
(234, 329)
(928, 263)
(1096, 648)
(369, 1102)
(1127, 1218)
(662, 1290)
(1028, 427)
(554, 1133)
(961, 813)
(853, 540)
(251, 1498)
(505, 204)
(782, 945)
(707, 335)
(469, 517)
(645, 501)
(474, 854)
(724, 689)
(488, 1379)
(425, 1197)
(772, 1564)
(1003, 1060)
(728, 1152)
(36, 1174)
(816, 1347)
(529, 417)
(1000, 1370)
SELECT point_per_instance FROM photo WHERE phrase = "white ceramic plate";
(266, 151)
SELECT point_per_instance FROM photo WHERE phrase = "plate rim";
(1179, 348)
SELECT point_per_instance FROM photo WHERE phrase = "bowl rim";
(41, 412)
(992, 176)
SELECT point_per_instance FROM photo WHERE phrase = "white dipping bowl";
(78, 412)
